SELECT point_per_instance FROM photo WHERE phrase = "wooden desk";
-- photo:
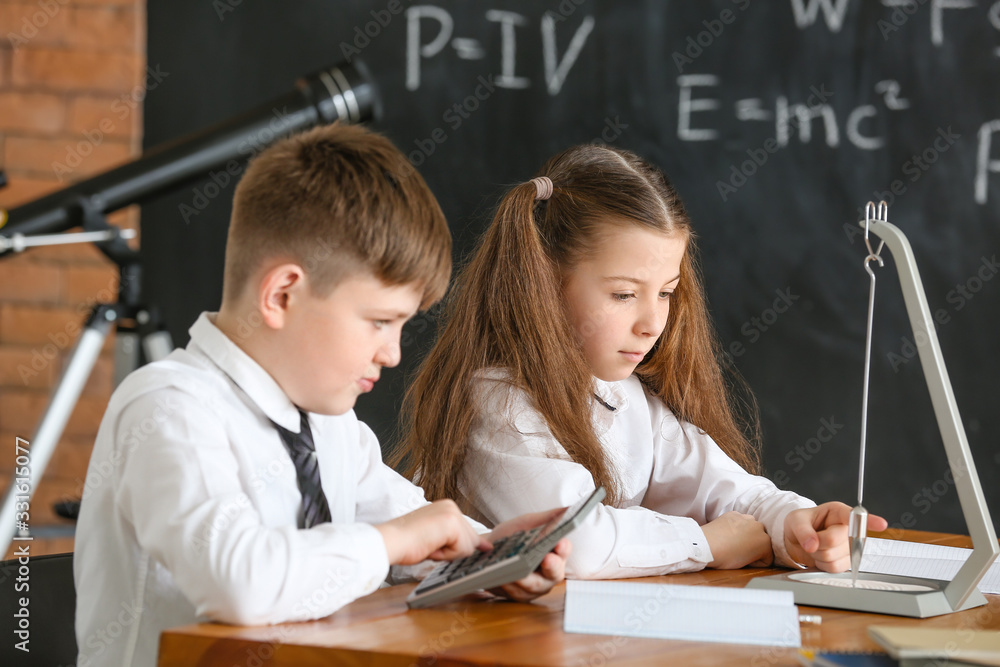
(379, 630)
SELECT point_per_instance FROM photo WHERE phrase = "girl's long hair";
(506, 311)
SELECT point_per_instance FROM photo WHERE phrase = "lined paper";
(693, 613)
(929, 561)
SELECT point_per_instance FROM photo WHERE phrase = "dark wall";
(898, 106)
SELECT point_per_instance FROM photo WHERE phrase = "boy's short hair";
(338, 200)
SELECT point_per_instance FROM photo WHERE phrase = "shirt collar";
(245, 372)
(611, 402)
(612, 394)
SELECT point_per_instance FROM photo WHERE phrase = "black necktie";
(302, 449)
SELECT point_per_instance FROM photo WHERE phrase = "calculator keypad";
(507, 547)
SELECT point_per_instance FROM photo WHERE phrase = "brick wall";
(71, 87)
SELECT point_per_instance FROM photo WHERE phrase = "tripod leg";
(126, 355)
(157, 345)
(143, 340)
(50, 429)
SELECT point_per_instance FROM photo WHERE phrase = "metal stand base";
(78, 368)
(916, 604)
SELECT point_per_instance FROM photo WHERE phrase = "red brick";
(67, 159)
(136, 4)
(75, 70)
(90, 113)
(45, 328)
(68, 461)
(41, 513)
(92, 28)
(105, 29)
(90, 285)
(36, 325)
(29, 25)
(24, 280)
(31, 112)
(21, 190)
(24, 367)
(5, 65)
(21, 411)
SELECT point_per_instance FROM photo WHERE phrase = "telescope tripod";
(140, 336)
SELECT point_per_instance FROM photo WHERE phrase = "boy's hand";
(817, 536)
(437, 531)
(738, 540)
(552, 569)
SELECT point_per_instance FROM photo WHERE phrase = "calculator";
(513, 557)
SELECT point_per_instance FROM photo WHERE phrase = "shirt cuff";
(373, 568)
(777, 533)
(682, 547)
(691, 533)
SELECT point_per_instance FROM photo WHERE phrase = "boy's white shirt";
(674, 478)
(191, 502)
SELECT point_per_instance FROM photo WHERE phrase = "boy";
(232, 481)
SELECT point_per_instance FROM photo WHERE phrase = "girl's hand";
(549, 573)
(552, 569)
(738, 540)
(817, 536)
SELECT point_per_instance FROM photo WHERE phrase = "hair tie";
(543, 186)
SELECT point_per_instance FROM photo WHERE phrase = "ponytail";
(506, 312)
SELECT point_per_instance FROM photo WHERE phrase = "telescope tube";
(343, 92)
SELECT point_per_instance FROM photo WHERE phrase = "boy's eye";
(380, 324)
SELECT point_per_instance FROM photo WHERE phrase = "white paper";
(694, 613)
(928, 561)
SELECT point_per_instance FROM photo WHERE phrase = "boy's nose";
(389, 355)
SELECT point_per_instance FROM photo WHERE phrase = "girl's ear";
(280, 288)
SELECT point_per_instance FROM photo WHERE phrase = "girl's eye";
(379, 324)
(666, 295)
(622, 297)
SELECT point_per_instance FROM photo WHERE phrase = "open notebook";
(928, 561)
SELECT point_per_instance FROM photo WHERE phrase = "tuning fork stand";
(936, 597)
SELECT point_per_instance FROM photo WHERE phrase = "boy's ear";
(280, 287)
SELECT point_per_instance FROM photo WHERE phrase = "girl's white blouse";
(673, 476)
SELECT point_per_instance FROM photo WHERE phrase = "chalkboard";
(777, 122)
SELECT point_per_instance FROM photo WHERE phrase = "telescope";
(344, 92)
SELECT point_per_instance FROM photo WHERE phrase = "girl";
(577, 351)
